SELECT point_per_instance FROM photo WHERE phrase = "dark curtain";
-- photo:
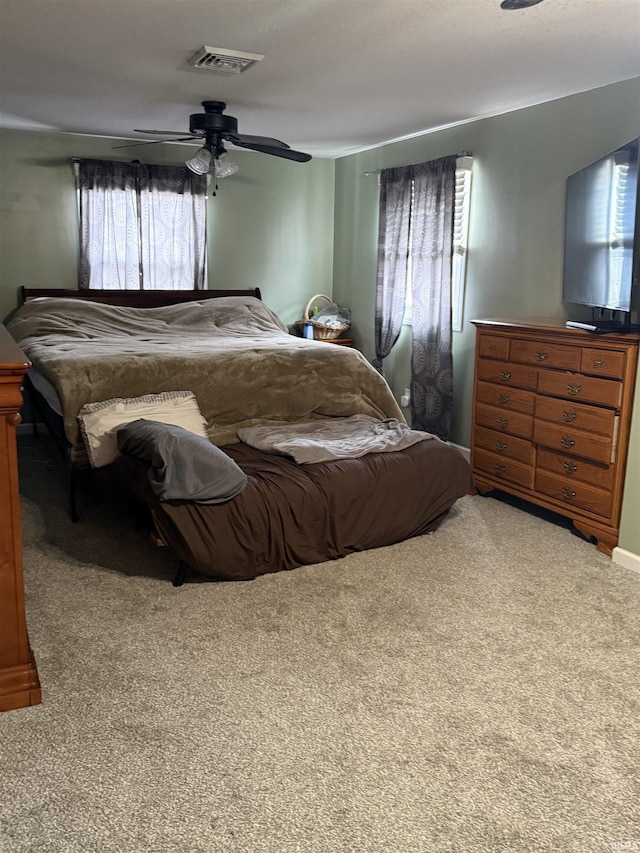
(431, 252)
(416, 238)
(393, 258)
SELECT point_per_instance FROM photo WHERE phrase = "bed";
(246, 375)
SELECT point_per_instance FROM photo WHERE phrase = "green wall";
(522, 160)
(270, 225)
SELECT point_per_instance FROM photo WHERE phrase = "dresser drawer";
(491, 346)
(602, 362)
(574, 468)
(514, 423)
(505, 445)
(576, 386)
(546, 354)
(574, 441)
(574, 493)
(503, 468)
(576, 414)
(504, 373)
(512, 399)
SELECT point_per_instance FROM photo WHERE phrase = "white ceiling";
(338, 75)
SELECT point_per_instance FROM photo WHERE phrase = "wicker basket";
(321, 332)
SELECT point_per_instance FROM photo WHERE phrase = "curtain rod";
(459, 154)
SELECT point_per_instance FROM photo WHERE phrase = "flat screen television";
(602, 238)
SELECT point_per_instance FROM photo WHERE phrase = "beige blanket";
(233, 353)
(337, 438)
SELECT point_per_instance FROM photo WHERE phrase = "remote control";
(573, 324)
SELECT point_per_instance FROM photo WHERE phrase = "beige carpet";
(477, 690)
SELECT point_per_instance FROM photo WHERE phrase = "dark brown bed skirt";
(291, 515)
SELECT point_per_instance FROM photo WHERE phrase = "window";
(460, 238)
(460, 243)
(141, 226)
(619, 238)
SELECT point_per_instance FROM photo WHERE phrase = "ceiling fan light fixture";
(200, 163)
(224, 166)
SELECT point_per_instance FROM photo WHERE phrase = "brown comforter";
(233, 353)
(290, 515)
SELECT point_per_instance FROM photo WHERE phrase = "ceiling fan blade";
(154, 142)
(255, 140)
(287, 153)
(162, 132)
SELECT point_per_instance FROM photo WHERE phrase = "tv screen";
(601, 239)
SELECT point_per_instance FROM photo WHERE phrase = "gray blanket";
(233, 353)
(184, 466)
(336, 438)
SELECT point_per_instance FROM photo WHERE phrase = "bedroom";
(318, 216)
(319, 219)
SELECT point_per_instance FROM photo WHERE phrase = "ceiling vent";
(224, 61)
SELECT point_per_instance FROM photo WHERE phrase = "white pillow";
(99, 422)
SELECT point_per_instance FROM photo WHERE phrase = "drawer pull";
(569, 415)
(574, 389)
(501, 445)
(599, 362)
(570, 467)
(568, 494)
(492, 348)
(567, 442)
(500, 468)
(541, 355)
(503, 423)
(503, 399)
(505, 374)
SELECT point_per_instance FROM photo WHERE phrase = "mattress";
(46, 389)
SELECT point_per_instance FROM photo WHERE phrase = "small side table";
(341, 342)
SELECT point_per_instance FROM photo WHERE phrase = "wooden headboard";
(134, 298)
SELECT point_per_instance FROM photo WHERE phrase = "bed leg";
(181, 574)
(73, 506)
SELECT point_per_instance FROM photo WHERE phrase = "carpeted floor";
(473, 691)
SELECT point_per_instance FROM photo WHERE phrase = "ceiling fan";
(215, 128)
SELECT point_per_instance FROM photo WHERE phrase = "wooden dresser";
(19, 683)
(551, 418)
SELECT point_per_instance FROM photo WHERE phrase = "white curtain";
(141, 226)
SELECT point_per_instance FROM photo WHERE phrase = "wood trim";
(555, 329)
(19, 682)
(133, 298)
